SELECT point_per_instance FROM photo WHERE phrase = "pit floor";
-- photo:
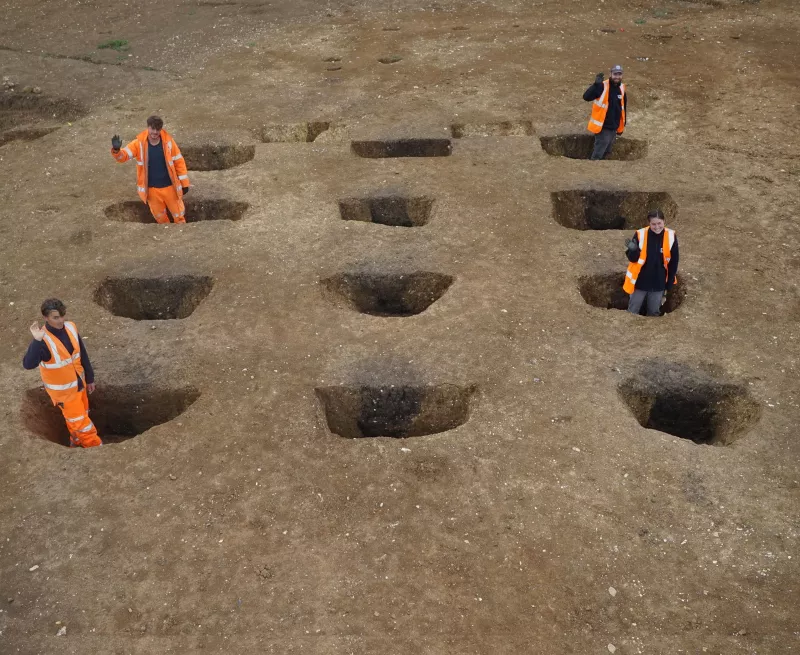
(549, 522)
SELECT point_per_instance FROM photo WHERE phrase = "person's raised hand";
(36, 331)
(631, 245)
(599, 78)
(116, 142)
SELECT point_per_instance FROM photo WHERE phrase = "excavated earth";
(377, 395)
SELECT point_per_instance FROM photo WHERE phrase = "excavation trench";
(118, 412)
(395, 410)
(25, 134)
(402, 148)
(217, 157)
(580, 146)
(693, 406)
(394, 210)
(609, 210)
(153, 299)
(500, 128)
(30, 116)
(604, 290)
(387, 294)
(293, 132)
(135, 211)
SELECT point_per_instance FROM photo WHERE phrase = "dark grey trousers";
(653, 302)
(603, 143)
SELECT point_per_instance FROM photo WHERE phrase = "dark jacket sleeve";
(672, 269)
(633, 256)
(594, 92)
(625, 106)
(37, 353)
(87, 365)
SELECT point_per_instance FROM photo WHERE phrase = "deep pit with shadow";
(153, 298)
(218, 209)
(212, 157)
(689, 404)
(383, 148)
(118, 412)
(580, 146)
(395, 410)
(387, 294)
(395, 210)
(597, 209)
(604, 290)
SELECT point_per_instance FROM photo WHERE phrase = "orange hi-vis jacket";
(600, 109)
(137, 149)
(635, 267)
(61, 372)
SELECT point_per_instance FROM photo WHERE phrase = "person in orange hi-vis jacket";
(60, 355)
(161, 176)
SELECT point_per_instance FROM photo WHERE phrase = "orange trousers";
(81, 429)
(159, 200)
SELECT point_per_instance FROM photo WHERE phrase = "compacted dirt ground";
(366, 402)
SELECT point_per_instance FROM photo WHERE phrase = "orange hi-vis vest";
(61, 372)
(635, 267)
(600, 109)
(137, 150)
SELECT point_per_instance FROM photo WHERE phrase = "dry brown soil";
(420, 429)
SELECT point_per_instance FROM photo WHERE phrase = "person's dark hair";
(53, 303)
(655, 213)
(155, 122)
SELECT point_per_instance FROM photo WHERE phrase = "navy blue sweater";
(652, 277)
(38, 352)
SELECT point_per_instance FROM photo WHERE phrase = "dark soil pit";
(390, 209)
(675, 399)
(390, 59)
(135, 211)
(395, 410)
(388, 294)
(579, 146)
(22, 109)
(153, 299)
(609, 210)
(604, 290)
(295, 132)
(217, 158)
(501, 128)
(402, 148)
(25, 134)
(118, 412)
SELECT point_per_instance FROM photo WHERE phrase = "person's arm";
(124, 154)
(87, 365)
(37, 353)
(180, 167)
(633, 251)
(672, 268)
(625, 106)
(596, 90)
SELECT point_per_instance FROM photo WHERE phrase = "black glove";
(116, 142)
(631, 245)
(185, 190)
(598, 79)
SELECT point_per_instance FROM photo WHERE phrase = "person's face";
(153, 134)
(616, 77)
(657, 225)
(54, 319)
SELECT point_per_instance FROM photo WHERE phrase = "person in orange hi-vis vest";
(60, 355)
(609, 100)
(653, 268)
(161, 176)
